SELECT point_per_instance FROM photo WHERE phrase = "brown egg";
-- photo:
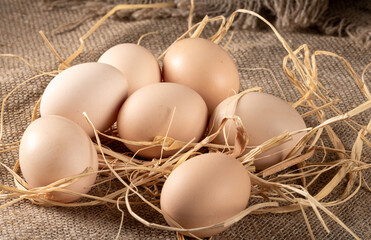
(205, 190)
(53, 148)
(147, 113)
(95, 88)
(138, 64)
(264, 116)
(203, 66)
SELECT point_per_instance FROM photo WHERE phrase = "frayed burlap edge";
(329, 17)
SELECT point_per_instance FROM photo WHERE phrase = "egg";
(95, 88)
(264, 116)
(53, 148)
(159, 109)
(137, 63)
(205, 190)
(203, 66)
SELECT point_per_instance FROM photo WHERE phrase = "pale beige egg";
(203, 66)
(162, 109)
(264, 116)
(95, 88)
(53, 148)
(137, 63)
(205, 190)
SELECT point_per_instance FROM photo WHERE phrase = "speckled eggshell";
(137, 63)
(95, 88)
(203, 66)
(264, 116)
(205, 190)
(147, 113)
(53, 148)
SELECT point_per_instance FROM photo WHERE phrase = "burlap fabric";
(20, 22)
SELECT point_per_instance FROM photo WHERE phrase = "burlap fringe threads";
(329, 17)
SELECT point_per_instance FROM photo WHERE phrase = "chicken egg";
(264, 116)
(203, 66)
(95, 88)
(53, 148)
(162, 109)
(205, 190)
(137, 63)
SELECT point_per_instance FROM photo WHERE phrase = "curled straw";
(273, 184)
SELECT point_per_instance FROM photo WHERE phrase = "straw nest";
(281, 188)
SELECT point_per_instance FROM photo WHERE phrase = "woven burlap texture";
(20, 22)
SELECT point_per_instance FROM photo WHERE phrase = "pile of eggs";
(192, 93)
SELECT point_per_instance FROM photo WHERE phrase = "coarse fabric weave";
(21, 21)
